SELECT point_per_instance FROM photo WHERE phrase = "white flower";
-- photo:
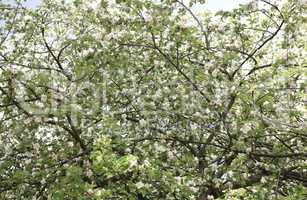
(198, 114)
(27, 17)
(159, 148)
(133, 161)
(70, 144)
(158, 94)
(266, 103)
(36, 146)
(245, 128)
(229, 185)
(157, 63)
(178, 179)
(43, 181)
(146, 163)
(28, 161)
(93, 4)
(263, 180)
(37, 119)
(170, 155)
(303, 2)
(233, 88)
(89, 173)
(193, 127)
(27, 121)
(146, 15)
(143, 122)
(40, 104)
(139, 185)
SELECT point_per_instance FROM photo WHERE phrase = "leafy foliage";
(142, 99)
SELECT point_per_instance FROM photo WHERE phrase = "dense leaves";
(142, 99)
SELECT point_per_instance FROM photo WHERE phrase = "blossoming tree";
(147, 99)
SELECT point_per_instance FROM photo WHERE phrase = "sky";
(212, 5)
